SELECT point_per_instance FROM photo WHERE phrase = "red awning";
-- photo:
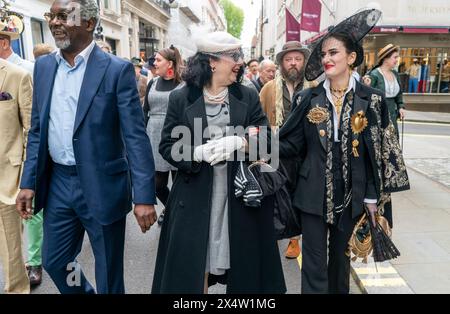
(411, 30)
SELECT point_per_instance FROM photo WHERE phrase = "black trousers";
(321, 272)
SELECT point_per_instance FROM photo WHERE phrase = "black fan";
(383, 247)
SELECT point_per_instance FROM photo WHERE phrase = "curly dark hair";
(198, 71)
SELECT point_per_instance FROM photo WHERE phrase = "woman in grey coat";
(168, 64)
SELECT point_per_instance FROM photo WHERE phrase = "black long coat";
(181, 259)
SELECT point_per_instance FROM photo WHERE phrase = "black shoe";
(161, 218)
(35, 275)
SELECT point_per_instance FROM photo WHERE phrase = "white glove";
(224, 147)
(203, 153)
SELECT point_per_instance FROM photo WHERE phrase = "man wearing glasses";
(87, 143)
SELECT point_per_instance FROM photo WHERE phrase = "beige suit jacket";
(15, 116)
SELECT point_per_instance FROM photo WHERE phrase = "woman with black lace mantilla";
(352, 158)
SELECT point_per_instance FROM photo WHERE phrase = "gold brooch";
(359, 122)
(318, 115)
(322, 133)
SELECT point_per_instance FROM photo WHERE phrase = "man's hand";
(145, 216)
(372, 211)
(24, 203)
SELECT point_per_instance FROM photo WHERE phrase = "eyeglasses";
(237, 55)
(60, 16)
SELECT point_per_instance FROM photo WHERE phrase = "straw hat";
(11, 26)
(386, 51)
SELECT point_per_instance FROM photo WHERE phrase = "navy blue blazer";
(111, 147)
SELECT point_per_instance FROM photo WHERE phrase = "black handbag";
(274, 183)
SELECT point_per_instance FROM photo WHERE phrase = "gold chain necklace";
(339, 102)
(339, 90)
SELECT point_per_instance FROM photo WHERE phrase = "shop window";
(424, 70)
(37, 32)
(112, 5)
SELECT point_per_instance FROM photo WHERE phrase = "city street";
(101, 101)
(422, 142)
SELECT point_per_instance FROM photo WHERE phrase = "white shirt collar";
(327, 84)
(351, 85)
(85, 54)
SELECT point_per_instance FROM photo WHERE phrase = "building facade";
(184, 15)
(36, 30)
(147, 26)
(213, 16)
(420, 28)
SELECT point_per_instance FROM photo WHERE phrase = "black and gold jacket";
(372, 160)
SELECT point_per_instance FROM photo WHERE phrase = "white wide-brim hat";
(217, 42)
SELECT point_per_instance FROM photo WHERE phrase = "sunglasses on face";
(236, 55)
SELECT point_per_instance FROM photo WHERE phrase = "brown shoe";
(293, 249)
(35, 275)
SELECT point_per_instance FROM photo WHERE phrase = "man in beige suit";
(15, 115)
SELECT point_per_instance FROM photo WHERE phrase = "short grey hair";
(264, 63)
(89, 9)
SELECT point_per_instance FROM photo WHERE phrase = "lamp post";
(263, 21)
(98, 29)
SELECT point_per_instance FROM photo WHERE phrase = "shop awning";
(387, 29)
(411, 29)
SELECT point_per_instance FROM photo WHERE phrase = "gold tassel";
(355, 145)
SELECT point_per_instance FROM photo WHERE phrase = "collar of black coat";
(195, 92)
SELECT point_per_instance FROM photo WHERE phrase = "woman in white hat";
(209, 235)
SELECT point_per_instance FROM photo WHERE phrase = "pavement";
(421, 228)
(421, 221)
(434, 117)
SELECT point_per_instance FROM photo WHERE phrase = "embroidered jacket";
(372, 160)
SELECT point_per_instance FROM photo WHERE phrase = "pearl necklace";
(219, 98)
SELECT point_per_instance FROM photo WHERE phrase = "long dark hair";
(173, 54)
(198, 71)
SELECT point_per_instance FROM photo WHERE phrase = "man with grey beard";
(88, 155)
(276, 98)
(276, 95)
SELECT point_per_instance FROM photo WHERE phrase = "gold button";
(322, 133)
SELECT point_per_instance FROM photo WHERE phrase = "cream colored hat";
(11, 26)
(217, 42)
